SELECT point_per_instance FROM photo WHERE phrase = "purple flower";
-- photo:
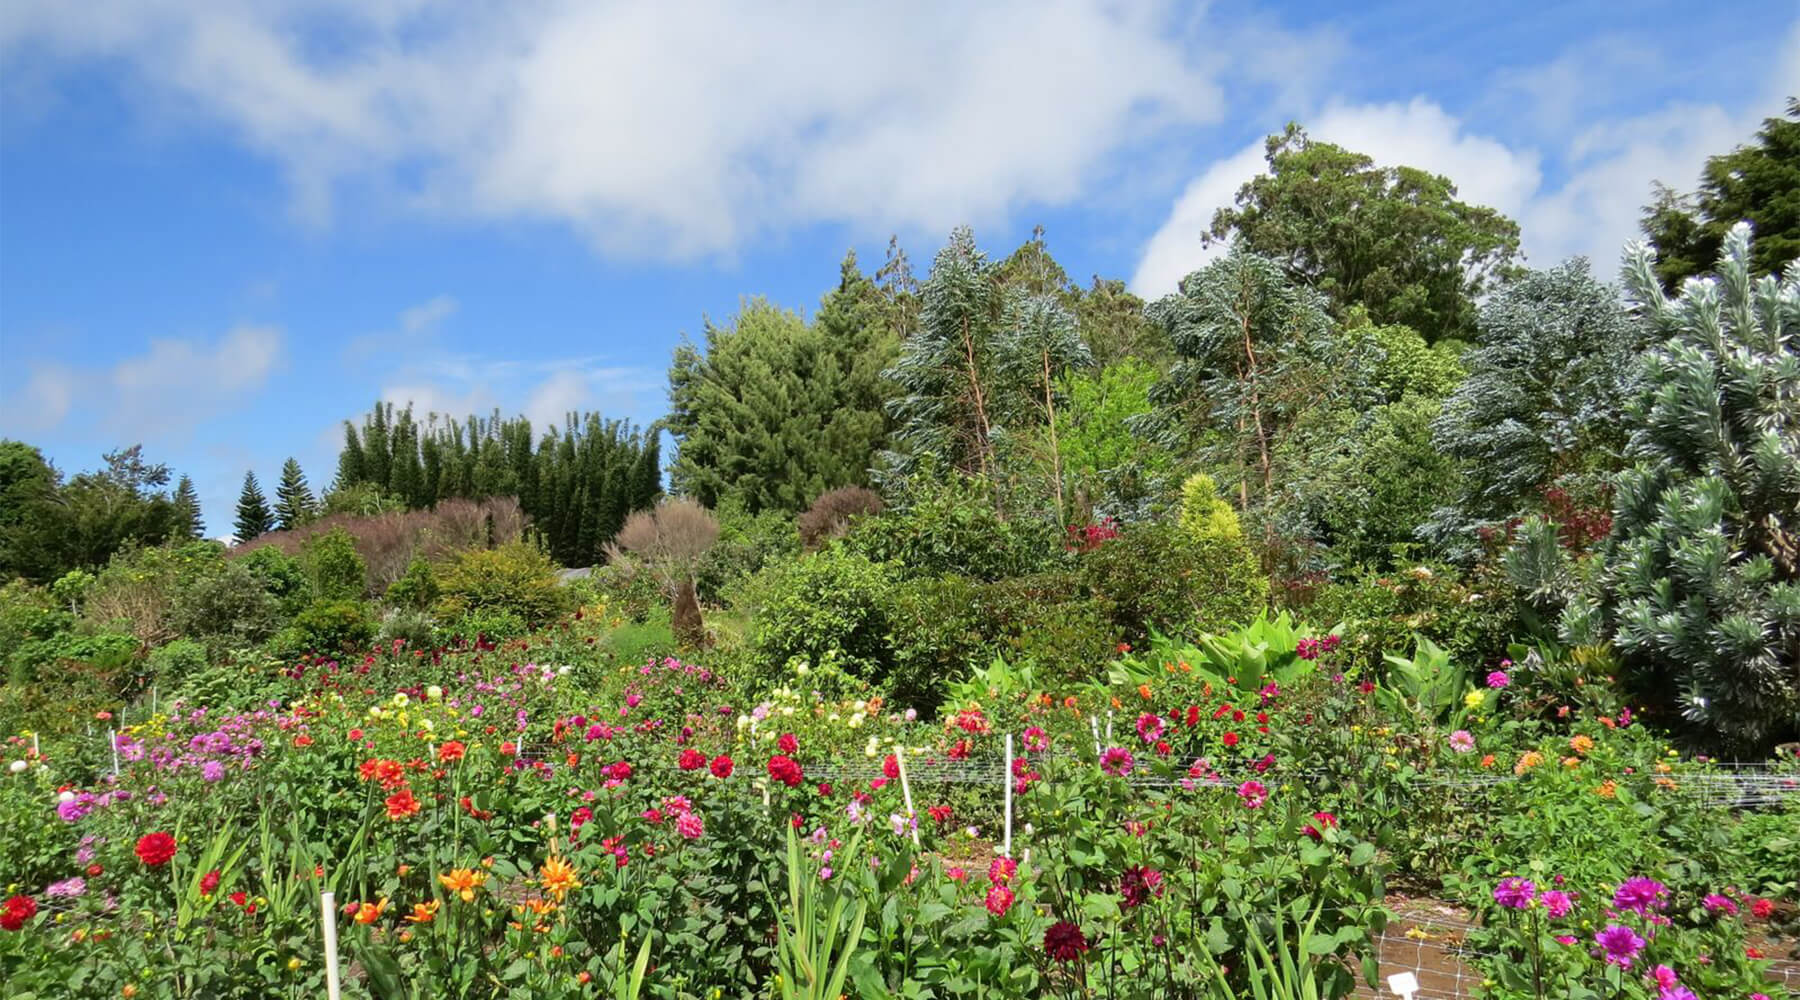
(68, 888)
(1676, 993)
(1620, 944)
(1516, 893)
(212, 771)
(1498, 680)
(1716, 903)
(1641, 895)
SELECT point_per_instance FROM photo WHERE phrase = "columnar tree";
(1542, 403)
(187, 510)
(253, 515)
(1702, 579)
(294, 503)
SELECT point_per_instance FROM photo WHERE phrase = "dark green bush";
(170, 666)
(281, 576)
(417, 589)
(952, 529)
(1380, 613)
(836, 601)
(937, 629)
(335, 570)
(746, 544)
(226, 609)
(1050, 621)
(326, 627)
(1157, 576)
(489, 624)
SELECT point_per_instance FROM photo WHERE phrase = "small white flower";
(434, 692)
(563, 671)
(787, 710)
(66, 797)
(401, 699)
(17, 767)
(743, 722)
(803, 669)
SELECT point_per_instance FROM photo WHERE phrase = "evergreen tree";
(253, 516)
(187, 508)
(1542, 402)
(1701, 590)
(294, 503)
(1755, 183)
(351, 469)
(1038, 347)
(1394, 240)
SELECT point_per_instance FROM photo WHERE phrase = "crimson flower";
(209, 882)
(721, 766)
(691, 760)
(786, 771)
(16, 912)
(788, 744)
(155, 849)
(1064, 942)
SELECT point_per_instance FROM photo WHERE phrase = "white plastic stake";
(328, 916)
(112, 740)
(906, 790)
(1007, 780)
(34, 747)
(1109, 716)
(1094, 727)
(1403, 984)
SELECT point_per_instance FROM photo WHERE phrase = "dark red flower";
(1231, 739)
(16, 912)
(1325, 821)
(155, 849)
(1139, 884)
(787, 743)
(1193, 715)
(721, 766)
(1064, 942)
(784, 770)
(209, 882)
(691, 760)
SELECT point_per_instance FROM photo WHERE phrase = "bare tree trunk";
(686, 623)
(1055, 452)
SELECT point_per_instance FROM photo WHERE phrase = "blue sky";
(225, 228)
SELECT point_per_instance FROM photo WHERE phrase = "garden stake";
(112, 740)
(906, 790)
(1094, 727)
(1109, 716)
(328, 915)
(1404, 984)
(1006, 779)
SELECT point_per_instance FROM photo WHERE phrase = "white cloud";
(455, 386)
(173, 387)
(1605, 170)
(668, 130)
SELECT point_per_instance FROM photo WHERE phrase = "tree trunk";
(689, 629)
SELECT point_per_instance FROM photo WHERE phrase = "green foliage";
(226, 608)
(281, 575)
(1258, 359)
(254, 518)
(1394, 240)
(1158, 577)
(1117, 469)
(187, 510)
(830, 603)
(294, 503)
(1472, 620)
(576, 482)
(173, 664)
(417, 589)
(1543, 403)
(334, 570)
(1411, 366)
(948, 524)
(775, 410)
(1369, 490)
(516, 578)
(1205, 516)
(48, 526)
(1753, 183)
(490, 624)
(746, 544)
(1701, 592)
(326, 627)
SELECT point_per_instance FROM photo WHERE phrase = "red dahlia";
(787, 743)
(155, 849)
(1064, 942)
(784, 770)
(691, 760)
(721, 766)
(209, 882)
(17, 911)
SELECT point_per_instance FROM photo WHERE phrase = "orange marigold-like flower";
(1530, 760)
(402, 804)
(463, 882)
(558, 877)
(423, 913)
(450, 750)
(1582, 744)
(1608, 789)
(368, 913)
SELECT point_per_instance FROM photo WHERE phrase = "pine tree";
(187, 510)
(351, 468)
(1542, 403)
(253, 516)
(1701, 589)
(294, 503)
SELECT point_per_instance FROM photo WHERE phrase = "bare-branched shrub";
(830, 515)
(670, 541)
(389, 542)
